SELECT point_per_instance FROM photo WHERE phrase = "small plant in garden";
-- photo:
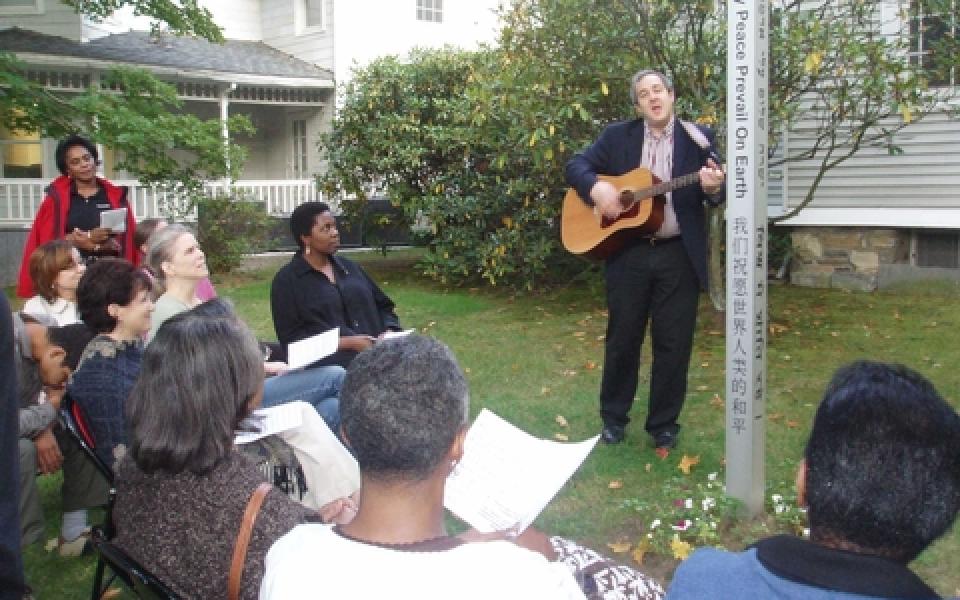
(688, 514)
(786, 512)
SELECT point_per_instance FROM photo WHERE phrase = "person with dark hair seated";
(43, 366)
(71, 210)
(182, 488)
(881, 481)
(114, 301)
(404, 410)
(318, 290)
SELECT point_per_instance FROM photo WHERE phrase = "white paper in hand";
(312, 349)
(392, 335)
(115, 220)
(276, 419)
(507, 476)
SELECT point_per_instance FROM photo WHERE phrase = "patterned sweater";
(182, 527)
(101, 384)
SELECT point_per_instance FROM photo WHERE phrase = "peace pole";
(746, 320)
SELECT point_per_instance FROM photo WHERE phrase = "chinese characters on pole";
(746, 248)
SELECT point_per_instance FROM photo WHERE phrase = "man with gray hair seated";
(881, 480)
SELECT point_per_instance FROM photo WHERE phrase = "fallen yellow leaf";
(561, 437)
(681, 549)
(603, 88)
(561, 420)
(716, 401)
(647, 467)
(619, 547)
(590, 365)
(642, 548)
(544, 390)
(687, 462)
(792, 424)
(702, 388)
(616, 484)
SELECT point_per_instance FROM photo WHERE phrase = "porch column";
(224, 130)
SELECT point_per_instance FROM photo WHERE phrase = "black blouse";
(304, 303)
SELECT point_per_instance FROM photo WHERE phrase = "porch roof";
(186, 55)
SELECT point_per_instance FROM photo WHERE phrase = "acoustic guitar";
(585, 231)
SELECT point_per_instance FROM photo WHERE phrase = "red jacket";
(49, 225)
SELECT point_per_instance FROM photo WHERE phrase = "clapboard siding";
(57, 19)
(278, 21)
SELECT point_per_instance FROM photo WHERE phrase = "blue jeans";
(319, 387)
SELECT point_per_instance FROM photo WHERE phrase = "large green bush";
(229, 227)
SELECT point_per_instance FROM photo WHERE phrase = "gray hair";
(667, 82)
(160, 250)
(196, 383)
(401, 406)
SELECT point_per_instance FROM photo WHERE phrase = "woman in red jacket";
(71, 210)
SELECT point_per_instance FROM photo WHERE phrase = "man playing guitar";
(655, 276)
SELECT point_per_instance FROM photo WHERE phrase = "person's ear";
(455, 455)
(113, 310)
(167, 268)
(345, 438)
(802, 484)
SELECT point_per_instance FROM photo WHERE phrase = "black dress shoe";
(612, 434)
(665, 439)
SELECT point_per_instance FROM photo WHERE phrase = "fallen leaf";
(561, 437)
(775, 416)
(579, 333)
(793, 424)
(640, 551)
(704, 364)
(703, 388)
(647, 467)
(616, 484)
(681, 549)
(561, 421)
(466, 370)
(619, 547)
(714, 332)
(687, 462)
(544, 390)
(834, 333)
(716, 401)
(569, 373)
(590, 365)
(662, 453)
(600, 338)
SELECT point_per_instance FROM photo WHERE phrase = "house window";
(938, 249)
(927, 32)
(300, 149)
(309, 16)
(21, 154)
(430, 10)
(21, 7)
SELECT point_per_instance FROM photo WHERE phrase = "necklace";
(435, 544)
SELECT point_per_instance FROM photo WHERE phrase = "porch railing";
(20, 198)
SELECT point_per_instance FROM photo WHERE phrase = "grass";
(530, 357)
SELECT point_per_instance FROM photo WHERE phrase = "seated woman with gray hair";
(404, 408)
(182, 488)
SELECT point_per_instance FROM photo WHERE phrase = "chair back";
(73, 420)
(138, 579)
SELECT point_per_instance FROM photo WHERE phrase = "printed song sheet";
(270, 421)
(312, 349)
(115, 220)
(507, 476)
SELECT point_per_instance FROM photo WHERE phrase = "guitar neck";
(666, 186)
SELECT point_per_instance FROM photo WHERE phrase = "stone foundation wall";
(845, 257)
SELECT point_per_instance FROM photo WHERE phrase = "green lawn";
(533, 356)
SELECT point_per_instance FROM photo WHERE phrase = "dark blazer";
(618, 150)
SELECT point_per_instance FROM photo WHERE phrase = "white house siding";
(925, 176)
(278, 21)
(57, 19)
(239, 19)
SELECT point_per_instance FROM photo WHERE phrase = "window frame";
(429, 14)
(300, 17)
(918, 50)
(37, 8)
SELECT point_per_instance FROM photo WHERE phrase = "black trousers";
(655, 283)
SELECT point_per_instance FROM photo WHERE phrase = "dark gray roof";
(139, 48)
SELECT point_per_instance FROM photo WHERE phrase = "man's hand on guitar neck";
(606, 198)
(711, 178)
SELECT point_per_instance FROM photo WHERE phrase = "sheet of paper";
(270, 421)
(312, 349)
(390, 335)
(114, 220)
(507, 476)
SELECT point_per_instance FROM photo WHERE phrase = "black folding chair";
(73, 421)
(139, 580)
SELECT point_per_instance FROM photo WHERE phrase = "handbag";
(243, 539)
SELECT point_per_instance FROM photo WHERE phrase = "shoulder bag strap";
(243, 539)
